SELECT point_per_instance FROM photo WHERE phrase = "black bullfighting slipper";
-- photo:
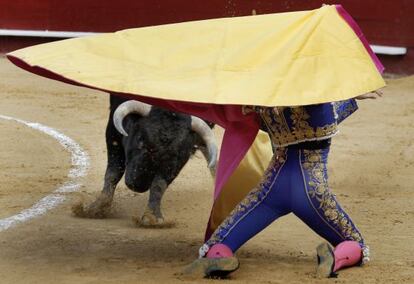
(326, 261)
(211, 267)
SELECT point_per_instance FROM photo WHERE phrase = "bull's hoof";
(98, 209)
(150, 220)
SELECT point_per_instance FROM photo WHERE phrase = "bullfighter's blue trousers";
(295, 181)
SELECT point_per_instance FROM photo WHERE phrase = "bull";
(150, 146)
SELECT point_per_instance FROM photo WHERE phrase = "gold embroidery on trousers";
(257, 195)
(318, 190)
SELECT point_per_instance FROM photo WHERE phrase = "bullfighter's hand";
(372, 95)
(247, 109)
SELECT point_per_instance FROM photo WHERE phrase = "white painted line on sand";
(80, 165)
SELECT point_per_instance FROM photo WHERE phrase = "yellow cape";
(287, 59)
(284, 59)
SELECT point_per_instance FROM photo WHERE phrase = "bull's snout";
(137, 178)
(136, 185)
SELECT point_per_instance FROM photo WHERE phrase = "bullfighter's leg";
(263, 205)
(100, 208)
(318, 207)
(267, 202)
(152, 215)
(298, 184)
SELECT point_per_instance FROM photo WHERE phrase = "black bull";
(150, 146)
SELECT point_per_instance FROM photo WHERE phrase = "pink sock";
(219, 250)
(347, 253)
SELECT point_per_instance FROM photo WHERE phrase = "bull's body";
(151, 156)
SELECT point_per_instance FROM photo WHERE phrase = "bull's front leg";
(101, 207)
(152, 215)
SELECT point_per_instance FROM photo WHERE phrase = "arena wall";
(387, 23)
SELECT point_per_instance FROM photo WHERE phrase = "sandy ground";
(372, 163)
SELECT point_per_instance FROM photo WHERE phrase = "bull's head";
(197, 125)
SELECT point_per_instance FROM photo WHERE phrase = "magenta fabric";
(351, 22)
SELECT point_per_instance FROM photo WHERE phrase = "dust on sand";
(371, 171)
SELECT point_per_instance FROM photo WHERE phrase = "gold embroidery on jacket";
(277, 125)
(301, 128)
(344, 112)
(299, 131)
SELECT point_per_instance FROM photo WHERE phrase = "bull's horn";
(201, 128)
(126, 108)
